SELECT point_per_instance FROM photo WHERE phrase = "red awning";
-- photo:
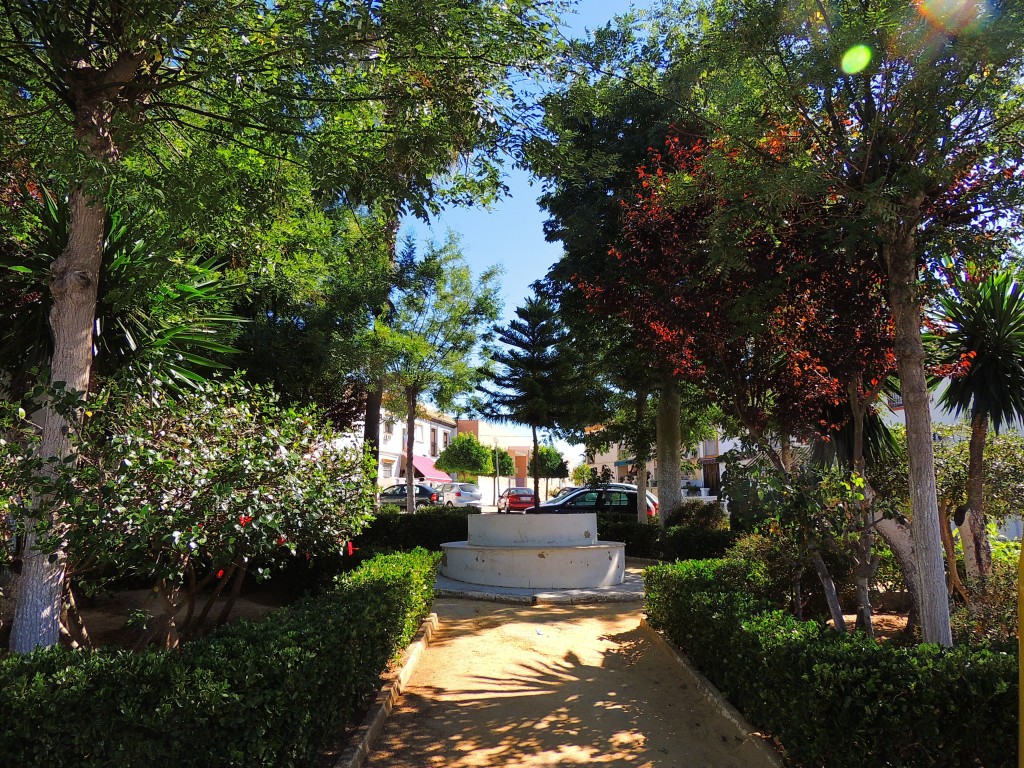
(425, 468)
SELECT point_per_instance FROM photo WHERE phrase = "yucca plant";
(981, 334)
(159, 309)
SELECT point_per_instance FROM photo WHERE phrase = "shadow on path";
(552, 685)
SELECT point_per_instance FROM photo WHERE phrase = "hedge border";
(362, 741)
(840, 701)
(259, 695)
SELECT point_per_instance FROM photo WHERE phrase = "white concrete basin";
(544, 551)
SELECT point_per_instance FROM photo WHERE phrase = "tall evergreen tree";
(541, 379)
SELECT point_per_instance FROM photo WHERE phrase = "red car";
(515, 500)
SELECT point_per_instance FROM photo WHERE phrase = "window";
(387, 469)
(433, 441)
(389, 428)
(895, 401)
(588, 499)
(419, 433)
(616, 501)
(445, 437)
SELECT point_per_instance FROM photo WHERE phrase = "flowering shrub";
(194, 492)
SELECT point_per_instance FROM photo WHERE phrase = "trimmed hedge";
(269, 694)
(837, 700)
(431, 527)
(679, 542)
(428, 527)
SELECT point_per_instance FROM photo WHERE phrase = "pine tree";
(541, 379)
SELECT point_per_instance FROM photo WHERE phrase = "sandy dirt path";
(548, 685)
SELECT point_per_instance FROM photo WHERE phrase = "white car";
(460, 494)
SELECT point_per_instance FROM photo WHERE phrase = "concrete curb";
(541, 598)
(713, 696)
(369, 730)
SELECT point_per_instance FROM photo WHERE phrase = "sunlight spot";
(856, 59)
(953, 16)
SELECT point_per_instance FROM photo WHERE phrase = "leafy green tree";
(428, 347)
(580, 474)
(600, 127)
(550, 464)
(502, 465)
(541, 378)
(466, 456)
(309, 291)
(911, 121)
(981, 326)
(92, 94)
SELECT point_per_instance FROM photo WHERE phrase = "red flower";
(351, 549)
(220, 573)
(281, 539)
(244, 520)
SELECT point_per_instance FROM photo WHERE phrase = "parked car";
(515, 500)
(565, 491)
(460, 494)
(613, 498)
(397, 494)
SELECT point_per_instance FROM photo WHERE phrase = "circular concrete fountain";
(545, 551)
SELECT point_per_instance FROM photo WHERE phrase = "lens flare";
(953, 16)
(856, 59)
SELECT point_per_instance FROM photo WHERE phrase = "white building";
(432, 434)
(705, 474)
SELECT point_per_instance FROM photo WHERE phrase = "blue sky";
(510, 233)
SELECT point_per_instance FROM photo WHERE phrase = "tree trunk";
(866, 563)
(901, 541)
(901, 262)
(955, 585)
(830, 590)
(536, 475)
(73, 286)
(974, 532)
(371, 426)
(640, 460)
(670, 476)
(410, 445)
(374, 397)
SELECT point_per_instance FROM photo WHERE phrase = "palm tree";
(983, 331)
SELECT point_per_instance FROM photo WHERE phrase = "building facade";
(702, 467)
(433, 433)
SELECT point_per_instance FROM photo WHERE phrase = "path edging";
(369, 730)
(714, 696)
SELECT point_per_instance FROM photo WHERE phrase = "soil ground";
(545, 685)
(106, 616)
(885, 625)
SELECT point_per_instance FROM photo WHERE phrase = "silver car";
(460, 494)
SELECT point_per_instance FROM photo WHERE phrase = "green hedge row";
(428, 527)
(269, 694)
(833, 700)
(679, 542)
(433, 526)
